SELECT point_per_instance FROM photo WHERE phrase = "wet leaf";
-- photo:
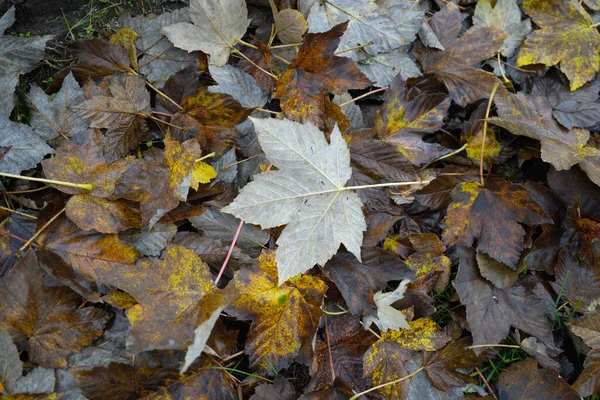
(306, 194)
(315, 74)
(429, 256)
(290, 24)
(532, 117)
(48, 319)
(24, 148)
(524, 379)
(454, 65)
(491, 215)
(216, 26)
(566, 37)
(239, 85)
(285, 317)
(588, 329)
(10, 364)
(492, 311)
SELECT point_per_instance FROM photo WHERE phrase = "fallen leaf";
(10, 364)
(281, 389)
(105, 216)
(454, 65)
(566, 37)
(24, 148)
(587, 328)
(492, 311)
(239, 85)
(48, 319)
(285, 316)
(387, 316)
(290, 24)
(588, 383)
(429, 256)
(306, 194)
(525, 380)
(216, 26)
(491, 215)
(314, 74)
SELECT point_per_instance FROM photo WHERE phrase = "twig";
(487, 114)
(10, 235)
(155, 57)
(362, 96)
(356, 396)
(253, 63)
(480, 346)
(162, 114)
(445, 156)
(29, 190)
(354, 48)
(329, 351)
(486, 383)
(209, 155)
(47, 224)
(170, 100)
(18, 212)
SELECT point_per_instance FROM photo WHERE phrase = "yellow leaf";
(202, 173)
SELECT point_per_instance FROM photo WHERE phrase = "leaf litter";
(337, 199)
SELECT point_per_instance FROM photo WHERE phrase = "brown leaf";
(532, 117)
(436, 195)
(280, 389)
(524, 380)
(18, 226)
(103, 215)
(78, 258)
(285, 317)
(173, 293)
(214, 109)
(315, 74)
(47, 318)
(491, 215)
(429, 256)
(492, 311)
(441, 366)
(588, 329)
(263, 58)
(121, 381)
(384, 362)
(406, 112)
(121, 111)
(454, 65)
(588, 383)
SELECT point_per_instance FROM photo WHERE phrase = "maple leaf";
(290, 24)
(285, 316)
(387, 316)
(78, 258)
(174, 295)
(525, 380)
(314, 74)
(105, 216)
(566, 37)
(239, 85)
(216, 26)
(24, 148)
(120, 111)
(387, 26)
(492, 311)
(429, 256)
(48, 318)
(19, 226)
(54, 118)
(306, 193)
(10, 364)
(506, 15)
(491, 215)
(159, 58)
(453, 66)
(587, 328)
(532, 117)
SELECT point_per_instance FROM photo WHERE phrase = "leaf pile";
(319, 200)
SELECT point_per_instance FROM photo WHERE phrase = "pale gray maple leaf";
(53, 118)
(25, 148)
(11, 367)
(306, 192)
(506, 16)
(388, 26)
(239, 85)
(216, 26)
(387, 316)
(160, 60)
(383, 67)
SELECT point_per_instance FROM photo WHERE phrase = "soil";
(42, 17)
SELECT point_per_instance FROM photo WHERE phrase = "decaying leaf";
(315, 74)
(306, 194)
(387, 316)
(285, 316)
(491, 214)
(566, 37)
(48, 319)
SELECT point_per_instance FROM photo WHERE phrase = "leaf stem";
(162, 121)
(597, 24)
(209, 155)
(283, 46)
(485, 123)
(480, 346)
(354, 48)
(445, 156)
(356, 396)
(86, 186)
(18, 212)
(253, 63)
(10, 235)
(487, 384)
(170, 100)
(362, 96)
(387, 184)
(267, 111)
(162, 114)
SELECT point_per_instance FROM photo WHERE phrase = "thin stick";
(239, 353)
(29, 190)
(10, 235)
(329, 351)
(354, 48)
(487, 114)
(597, 24)
(239, 162)
(209, 155)
(517, 68)
(356, 396)
(235, 238)
(253, 63)
(445, 156)
(283, 46)
(480, 346)
(486, 383)
(333, 312)
(362, 96)
(47, 224)
(155, 57)
(267, 111)
(162, 121)
(162, 114)
(18, 213)
(506, 80)
(87, 186)
(170, 100)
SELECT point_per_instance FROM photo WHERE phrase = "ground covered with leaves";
(333, 199)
